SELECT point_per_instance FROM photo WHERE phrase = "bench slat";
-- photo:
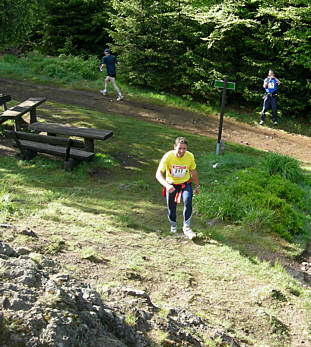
(22, 108)
(54, 128)
(53, 140)
(56, 150)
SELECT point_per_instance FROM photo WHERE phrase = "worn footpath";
(262, 138)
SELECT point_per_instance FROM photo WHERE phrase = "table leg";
(17, 123)
(33, 115)
(89, 145)
(20, 123)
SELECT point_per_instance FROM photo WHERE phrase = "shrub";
(88, 75)
(284, 166)
(258, 219)
(257, 200)
(8, 58)
(64, 68)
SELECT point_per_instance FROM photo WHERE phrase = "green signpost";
(220, 84)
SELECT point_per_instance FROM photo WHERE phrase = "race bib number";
(271, 85)
(179, 170)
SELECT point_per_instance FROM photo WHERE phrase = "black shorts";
(112, 75)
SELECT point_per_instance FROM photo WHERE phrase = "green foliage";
(16, 20)
(62, 69)
(104, 161)
(217, 166)
(257, 200)
(168, 60)
(74, 26)
(55, 246)
(196, 43)
(284, 166)
(257, 219)
(90, 254)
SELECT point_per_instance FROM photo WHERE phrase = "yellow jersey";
(177, 169)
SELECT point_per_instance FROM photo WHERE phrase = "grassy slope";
(117, 216)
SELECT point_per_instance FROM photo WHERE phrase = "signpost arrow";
(220, 84)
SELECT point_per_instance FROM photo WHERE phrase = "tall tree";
(16, 20)
(161, 45)
(75, 26)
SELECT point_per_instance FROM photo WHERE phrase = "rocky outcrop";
(43, 305)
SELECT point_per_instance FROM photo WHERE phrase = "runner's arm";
(102, 63)
(265, 83)
(161, 179)
(195, 179)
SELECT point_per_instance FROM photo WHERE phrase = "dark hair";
(107, 50)
(181, 140)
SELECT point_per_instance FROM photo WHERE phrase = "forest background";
(178, 46)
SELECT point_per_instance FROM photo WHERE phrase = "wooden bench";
(30, 144)
(87, 134)
(17, 112)
(3, 100)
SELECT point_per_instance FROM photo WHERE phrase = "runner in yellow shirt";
(179, 169)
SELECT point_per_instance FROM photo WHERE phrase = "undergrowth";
(268, 196)
(61, 69)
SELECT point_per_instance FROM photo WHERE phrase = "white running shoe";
(261, 122)
(188, 232)
(120, 97)
(103, 91)
(174, 229)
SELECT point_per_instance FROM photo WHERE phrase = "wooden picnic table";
(88, 134)
(17, 112)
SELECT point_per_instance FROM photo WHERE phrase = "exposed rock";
(5, 249)
(212, 222)
(43, 305)
(29, 232)
(23, 250)
(6, 226)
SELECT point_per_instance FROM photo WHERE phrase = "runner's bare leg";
(113, 81)
(107, 79)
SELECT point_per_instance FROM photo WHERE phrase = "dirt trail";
(206, 125)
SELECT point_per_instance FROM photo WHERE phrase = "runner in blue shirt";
(270, 85)
(110, 61)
